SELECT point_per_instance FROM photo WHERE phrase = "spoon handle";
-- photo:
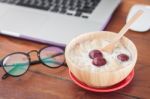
(110, 47)
(128, 24)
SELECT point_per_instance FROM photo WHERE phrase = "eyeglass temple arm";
(5, 75)
(32, 63)
(0, 63)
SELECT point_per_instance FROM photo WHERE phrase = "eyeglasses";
(18, 63)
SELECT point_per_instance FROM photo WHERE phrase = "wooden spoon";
(109, 48)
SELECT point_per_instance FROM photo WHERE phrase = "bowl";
(98, 78)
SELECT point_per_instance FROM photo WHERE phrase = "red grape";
(95, 53)
(123, 57)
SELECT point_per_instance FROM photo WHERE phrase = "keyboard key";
(64, 2)
(69, 14)
(78, 13)
(71, 11)
(72, 8)
(63, 10)
(55, 8)
(85, 17)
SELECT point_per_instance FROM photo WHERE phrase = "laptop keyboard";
(78, 8)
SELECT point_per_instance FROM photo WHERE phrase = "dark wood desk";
(44, 83)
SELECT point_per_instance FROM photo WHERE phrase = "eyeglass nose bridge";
(34, 51)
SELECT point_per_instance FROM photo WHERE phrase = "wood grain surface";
(41, 82)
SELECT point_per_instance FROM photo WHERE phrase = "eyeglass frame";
(39, 61)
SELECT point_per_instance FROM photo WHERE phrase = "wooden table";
(44, 83)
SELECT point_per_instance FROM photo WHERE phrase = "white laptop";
(54, 21)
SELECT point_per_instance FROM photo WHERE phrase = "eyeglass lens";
(52, 56)
(16, 64)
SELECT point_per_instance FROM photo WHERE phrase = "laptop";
(54, 21)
